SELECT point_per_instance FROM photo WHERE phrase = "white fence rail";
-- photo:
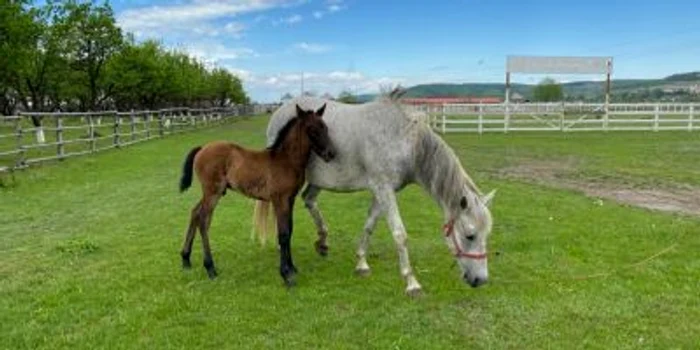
(563, 117)
(65, 135)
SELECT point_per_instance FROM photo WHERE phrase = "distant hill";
(578, 89)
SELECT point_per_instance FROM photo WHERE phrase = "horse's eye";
(471, 237)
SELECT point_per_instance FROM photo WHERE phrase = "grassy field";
(89, 257)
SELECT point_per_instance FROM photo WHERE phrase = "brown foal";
(272, 175)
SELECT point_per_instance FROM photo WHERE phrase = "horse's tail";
(261, 220)
(186, 179)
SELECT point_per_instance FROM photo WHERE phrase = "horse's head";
(466, 233)
(317, 131)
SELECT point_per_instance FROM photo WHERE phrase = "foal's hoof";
(321, 248)
(212, 273)
(186, 264)
(414, 292)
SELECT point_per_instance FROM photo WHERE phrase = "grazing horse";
(275, 175)
(382, 147)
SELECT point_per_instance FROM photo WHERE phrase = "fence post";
(91, 134)
(148, 117)
(20, 155)
(193, 121)
(481, 118)
(133, 126)
(561, 122)
(443, 119)
(690, 118)
(656, 117)
(117, 122)
(160, 124)
(60, 149)
(507, 117)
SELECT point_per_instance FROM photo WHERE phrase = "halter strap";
(448, 229)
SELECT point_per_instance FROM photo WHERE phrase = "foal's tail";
(186, 179)
(261, 220)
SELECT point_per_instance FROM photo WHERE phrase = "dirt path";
(685, 200)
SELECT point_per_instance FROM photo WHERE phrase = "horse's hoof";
(414, 292)
(321, 248)
(212, 274)
(186, 264)
(363, 272)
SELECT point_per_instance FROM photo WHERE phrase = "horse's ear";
(321, 110)
(300, 112)
(488, 199)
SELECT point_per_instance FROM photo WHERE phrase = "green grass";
(89, 258)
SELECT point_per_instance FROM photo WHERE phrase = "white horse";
(382, 147)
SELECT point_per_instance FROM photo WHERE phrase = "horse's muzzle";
(328, 155)
(474, 282)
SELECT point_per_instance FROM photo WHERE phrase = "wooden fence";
(65, 135)
(563, 117)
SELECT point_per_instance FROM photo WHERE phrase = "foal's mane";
(282, 134)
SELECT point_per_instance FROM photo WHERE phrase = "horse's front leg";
(387, 201)
(309, 195)
(283, 211)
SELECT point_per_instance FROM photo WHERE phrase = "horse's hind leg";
(189, 236)
(205, 214)
(309, 195)
(362, 268)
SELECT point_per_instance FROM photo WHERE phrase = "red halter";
(448, 230)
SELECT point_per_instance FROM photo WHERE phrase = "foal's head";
(311, 122)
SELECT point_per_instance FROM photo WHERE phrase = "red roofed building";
(444, 100)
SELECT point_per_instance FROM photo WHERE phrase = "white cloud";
(335, 8)
(292, 19)
(333, 81)
(214, 53)
(270, 87)
(235, 29)
(330, 7)
(312, 48)
(198, 14)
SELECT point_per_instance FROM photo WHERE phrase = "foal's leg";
(283, 211)
(387, 200)
(189, 236)
(205, 214)
(362, 268)
(310, 193)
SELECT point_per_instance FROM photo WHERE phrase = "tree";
(548, 90)
(17, 28)
(286, 97)
(70, 54)
(93, 37)
(347, 97)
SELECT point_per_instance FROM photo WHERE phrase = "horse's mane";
(440, 169)
(394, 95)
(282, 134)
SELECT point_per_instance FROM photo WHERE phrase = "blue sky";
(362, 45)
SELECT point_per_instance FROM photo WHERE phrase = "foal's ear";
(300, 112)
(321, 110)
